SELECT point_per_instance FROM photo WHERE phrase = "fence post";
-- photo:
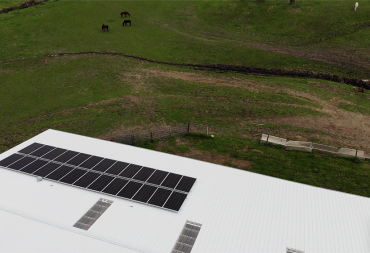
(267, 141)
(133, 139)
(151, 136)
(189, 127)
(207, 130)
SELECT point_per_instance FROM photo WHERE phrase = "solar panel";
(87, 179)
(185, 184)
(42, 151)
(73, 176)
(175, 201)
(31, 148)
(101, 183)
(66, 156)
(130, 181)
(91, 162)
(47, 169)
(115, 186)
(32, 167)
(159, 197)
(130, 189)
(130, 171)
(144, 174)
(171, 180)
(78, 159)
(117, 168)
(10, 159)
(157, 177)
(59, 173)
(144, 194)
(54, 153)
(21, 163)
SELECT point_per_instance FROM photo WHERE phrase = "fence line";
(158, 134)
(313, 147)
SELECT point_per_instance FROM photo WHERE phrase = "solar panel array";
(129, 181)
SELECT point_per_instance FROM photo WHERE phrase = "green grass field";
(108, 95)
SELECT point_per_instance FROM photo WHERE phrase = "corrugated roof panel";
(239, 211)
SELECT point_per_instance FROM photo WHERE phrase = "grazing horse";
(125, 13)
(126, 22)
(103, 27)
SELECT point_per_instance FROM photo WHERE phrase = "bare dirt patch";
(221, 159)
(351, 129)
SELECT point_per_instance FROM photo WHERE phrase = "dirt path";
(349, 129)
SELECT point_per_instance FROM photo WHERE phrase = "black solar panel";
(66, 156)
(186, 183)
(54, 153)
(175, 201)
(42, 151)
(91, 162)
(144, 174)
(21, 163)
(130, 171)
(10, 159)
(32, 167)
(144, 194)
(73, 176)
(115, 186)
(31, 148)
(87, 179)
(101, 183)
(121, 179)
(159, 197)
(117, 168)
(59, 173)
(171, 180)
(46, 170)
(129, 190)
(78, 159)
(158, 177)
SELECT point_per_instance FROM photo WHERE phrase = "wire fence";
(160, 134)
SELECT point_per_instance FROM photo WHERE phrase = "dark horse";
(125, 13)
(126, 22)
(103, 27)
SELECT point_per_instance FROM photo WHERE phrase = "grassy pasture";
(305, 23)
(102, 95)
(33, 32)
(10, 3)
(340, 174)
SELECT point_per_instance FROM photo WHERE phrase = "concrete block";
(264, 138)
(367, 156)
(273, 140)
(323, 149)
(347, 152)
(299, 145)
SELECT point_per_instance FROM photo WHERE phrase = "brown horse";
(124, 13)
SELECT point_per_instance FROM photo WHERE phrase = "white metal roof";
(239, 211)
